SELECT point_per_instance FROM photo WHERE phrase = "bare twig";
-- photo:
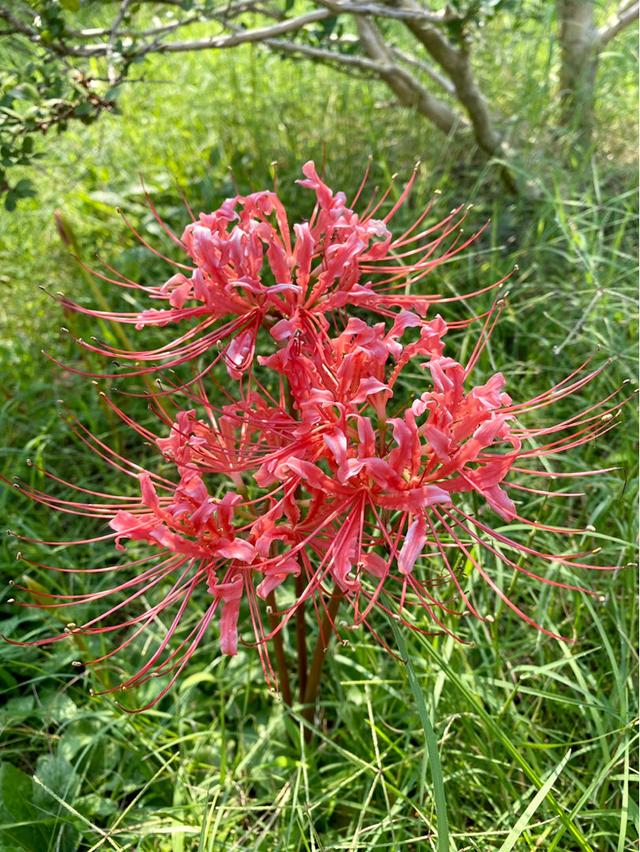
(427, 69)
(230, 11)
(113, 35)
(221, 42)
(330, 57)
(233, 40)
(122, 11)
(17, 26)
(381, 11)
(624, 17)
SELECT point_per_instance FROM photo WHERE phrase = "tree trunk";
(579, 61)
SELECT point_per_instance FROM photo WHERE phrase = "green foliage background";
(537, 740)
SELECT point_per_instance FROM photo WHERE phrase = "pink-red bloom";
(322, 472)
(249, 269)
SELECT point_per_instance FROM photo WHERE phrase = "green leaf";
(24, 188)
(70, 5)
(93, 805)
(83, 109)
(19, 823)
(57, 784)
(525, 818)
(59, 707)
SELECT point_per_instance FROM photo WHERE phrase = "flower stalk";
(327, 628)
(278, 645)
(301, 640)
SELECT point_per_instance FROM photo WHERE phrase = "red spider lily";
(318, 472)
(250, 271)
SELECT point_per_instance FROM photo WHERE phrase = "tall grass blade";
(432, 752)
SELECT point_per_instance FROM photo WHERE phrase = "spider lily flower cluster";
(317, 472)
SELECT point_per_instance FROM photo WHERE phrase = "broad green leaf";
(19, 822)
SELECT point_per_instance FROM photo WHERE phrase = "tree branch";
(624, 17)
(381, 11)
(331, 57)
(243, 36)
(379, 61)
(16, 24)
(122, 11)
(409, 91)
(136, 34)
(456, 63)
(231, 10)
(427, 69)
(221, 42)
(578, 64)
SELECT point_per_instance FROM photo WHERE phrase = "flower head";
(348, 459)
(250, 270)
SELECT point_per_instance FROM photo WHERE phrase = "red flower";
(321, 466)
(248, 271)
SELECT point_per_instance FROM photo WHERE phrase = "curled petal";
(275, 575)
(375, 565)
(238, 549)
(231, 595)
(415, 498)
(367, 387)
(413, 545)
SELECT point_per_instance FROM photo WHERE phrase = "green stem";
(319, 654)
(301, 638)
(301, 632)
(281, 660)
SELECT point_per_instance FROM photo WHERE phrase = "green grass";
(535, 740)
